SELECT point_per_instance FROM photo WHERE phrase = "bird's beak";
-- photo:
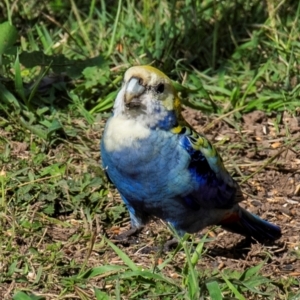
(133, 91)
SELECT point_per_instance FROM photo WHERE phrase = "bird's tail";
(250, 225)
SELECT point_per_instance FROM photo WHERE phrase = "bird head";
(148, 96)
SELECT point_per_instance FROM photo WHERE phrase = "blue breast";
(156, 167)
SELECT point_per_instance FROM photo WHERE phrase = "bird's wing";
(215, 187)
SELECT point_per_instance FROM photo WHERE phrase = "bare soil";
(260, 150)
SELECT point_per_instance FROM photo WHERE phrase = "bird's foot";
(171, 244)
(124, 237)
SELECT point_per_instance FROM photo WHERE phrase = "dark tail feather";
(251, 225)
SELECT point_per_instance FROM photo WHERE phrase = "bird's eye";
(160, 88)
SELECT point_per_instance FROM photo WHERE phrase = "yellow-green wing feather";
(199, 143)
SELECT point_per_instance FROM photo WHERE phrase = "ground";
(261, 151)
(62, 63)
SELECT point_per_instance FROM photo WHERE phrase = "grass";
(61, 66)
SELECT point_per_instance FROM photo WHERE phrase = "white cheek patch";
(122, 132)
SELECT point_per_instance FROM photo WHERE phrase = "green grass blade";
(18, 80)
(113, 36)
(233, 289)
(8, 98)
(125, 258)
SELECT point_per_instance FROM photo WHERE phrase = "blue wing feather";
(214, 189)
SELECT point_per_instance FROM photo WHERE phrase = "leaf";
(60, 63)
(146, 274)
(12, 268)
(103, 270)
(34, 129)
(24, 296)
(251, 271)
(95, 76)
(101, 295)
(8, 36)
(80, 107)
(214, 290)
(55, 125)
(21, 296)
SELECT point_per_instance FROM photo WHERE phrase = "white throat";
(122, 132)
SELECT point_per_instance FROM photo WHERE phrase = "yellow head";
(148, 96)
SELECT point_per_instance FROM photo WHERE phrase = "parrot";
(164, 169)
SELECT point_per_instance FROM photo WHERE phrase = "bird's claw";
(128, 233)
